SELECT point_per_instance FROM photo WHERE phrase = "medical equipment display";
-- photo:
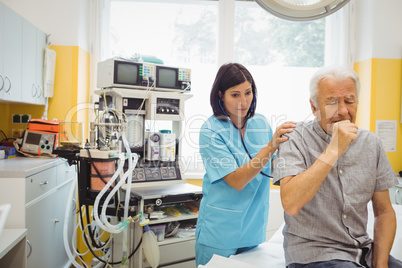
(38, 142)
(142, 75)
(129, 169)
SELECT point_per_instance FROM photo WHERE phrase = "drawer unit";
(38, 191)
(40, 183)
(65, 172)
(175, 252)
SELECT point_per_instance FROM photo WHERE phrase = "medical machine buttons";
(172, 173)
(158, 202)
(155, 137)
(152, 174)
(138, 174)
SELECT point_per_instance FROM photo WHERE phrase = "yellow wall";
(381, 92)
(71, 87)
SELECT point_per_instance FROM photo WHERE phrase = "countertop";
(21, 167)
(9, 239)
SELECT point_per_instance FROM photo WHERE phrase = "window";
(282, 55)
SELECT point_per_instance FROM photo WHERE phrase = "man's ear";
(313, 108)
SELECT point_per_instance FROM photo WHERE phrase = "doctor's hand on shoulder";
(278, 137)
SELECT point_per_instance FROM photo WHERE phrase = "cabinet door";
(61, 258)
(29, 89)
(40, 222)
(40, 53)
(1, 50)
(12, 54)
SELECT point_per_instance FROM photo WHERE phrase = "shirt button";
(344, 216)
(340, 171)
(344, 195)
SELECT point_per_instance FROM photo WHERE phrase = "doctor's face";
(237, 101)
(336, 101)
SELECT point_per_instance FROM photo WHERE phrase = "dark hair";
(230, 75)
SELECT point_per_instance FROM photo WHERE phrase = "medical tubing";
(127, 174)
(97, 257)
(128, 191)
(103, 217)
(86, 239)
(103, 191)
(65, 227)
(94, 243)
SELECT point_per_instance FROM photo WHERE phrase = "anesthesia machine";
(129, 169)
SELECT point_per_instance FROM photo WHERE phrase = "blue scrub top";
(229, 218)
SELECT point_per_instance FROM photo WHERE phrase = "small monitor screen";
(126, 73)
(167, 77)
(33, 138)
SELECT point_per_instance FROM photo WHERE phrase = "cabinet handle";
(33, 90)
(396, 196)
(56, 221)
(2, 82)
(75, 210)
(43, 183)
(39, 90)
(6, 78)
(30, 249)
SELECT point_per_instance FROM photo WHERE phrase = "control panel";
(184, 74)
(147, 71)
(155, 173)
(167, 106)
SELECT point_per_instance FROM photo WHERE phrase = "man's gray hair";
(338, 73)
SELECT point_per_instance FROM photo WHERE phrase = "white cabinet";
(40, 53)
(21, 59)
(1, 50)
(38, 203)
(29, 58)
(12, 55)
(33, 45)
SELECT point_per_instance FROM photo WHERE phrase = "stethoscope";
(239, 129)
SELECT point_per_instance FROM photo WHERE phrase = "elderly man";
(328, 171)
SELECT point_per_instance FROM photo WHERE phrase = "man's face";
(336, 101)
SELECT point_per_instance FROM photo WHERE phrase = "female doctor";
(236, 146)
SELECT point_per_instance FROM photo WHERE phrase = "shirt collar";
(320, 132)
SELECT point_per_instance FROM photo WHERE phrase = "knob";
(158, 202)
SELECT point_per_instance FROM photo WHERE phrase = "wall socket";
(20, 118)
(17, 133)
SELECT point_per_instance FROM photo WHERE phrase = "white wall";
(378, 24)
(387, 29)
(65, 20)
(363, 28)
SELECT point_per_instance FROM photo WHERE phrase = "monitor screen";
(126, 73)
(166, 77)
(33, 138)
